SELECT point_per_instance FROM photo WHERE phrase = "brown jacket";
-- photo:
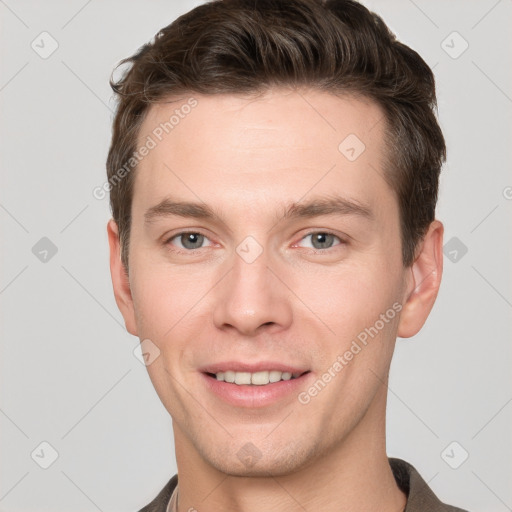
(420, 497)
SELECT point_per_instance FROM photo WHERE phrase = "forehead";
(285, 141)
(308, 118)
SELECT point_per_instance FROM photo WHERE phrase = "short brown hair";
(248, 46)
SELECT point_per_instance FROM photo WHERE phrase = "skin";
(248, 158)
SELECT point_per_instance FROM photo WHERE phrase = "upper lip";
(239, 366)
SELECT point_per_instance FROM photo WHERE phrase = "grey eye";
(191, 240)
(321, 240)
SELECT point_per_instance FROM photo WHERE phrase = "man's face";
(265, 286)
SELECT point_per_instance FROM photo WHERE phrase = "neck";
(352, 476)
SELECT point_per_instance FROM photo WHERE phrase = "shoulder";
(159, 504)
(420, 496)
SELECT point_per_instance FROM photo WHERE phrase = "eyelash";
(324, 232)
(190, 251)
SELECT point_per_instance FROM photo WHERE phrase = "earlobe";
(120, 281)
(423, 281)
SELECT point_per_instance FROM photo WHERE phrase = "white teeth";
(257, 378)
(229, 376)
(275, 376)
(242, 378)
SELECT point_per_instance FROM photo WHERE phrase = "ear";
(120, 279)
(422, 282)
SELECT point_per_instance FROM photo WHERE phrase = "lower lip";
(255, 396)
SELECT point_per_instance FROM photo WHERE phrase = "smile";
(260, 378)
(255, 385)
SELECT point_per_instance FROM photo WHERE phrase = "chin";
(249, 461)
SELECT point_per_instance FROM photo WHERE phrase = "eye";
(321, 240)
(188, 240)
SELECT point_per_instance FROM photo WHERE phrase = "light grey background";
(69, 376)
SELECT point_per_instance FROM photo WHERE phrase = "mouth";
(260, 378)
(255, 386)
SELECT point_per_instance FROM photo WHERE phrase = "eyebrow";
(332, 205)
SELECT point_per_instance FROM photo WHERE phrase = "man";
(273, 179)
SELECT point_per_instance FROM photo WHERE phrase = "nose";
(252, 299)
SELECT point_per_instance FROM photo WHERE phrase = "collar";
(420, 496)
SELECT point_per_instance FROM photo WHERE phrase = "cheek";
(356, 308)
(162, 296)
(348, 297)
(150, 299)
